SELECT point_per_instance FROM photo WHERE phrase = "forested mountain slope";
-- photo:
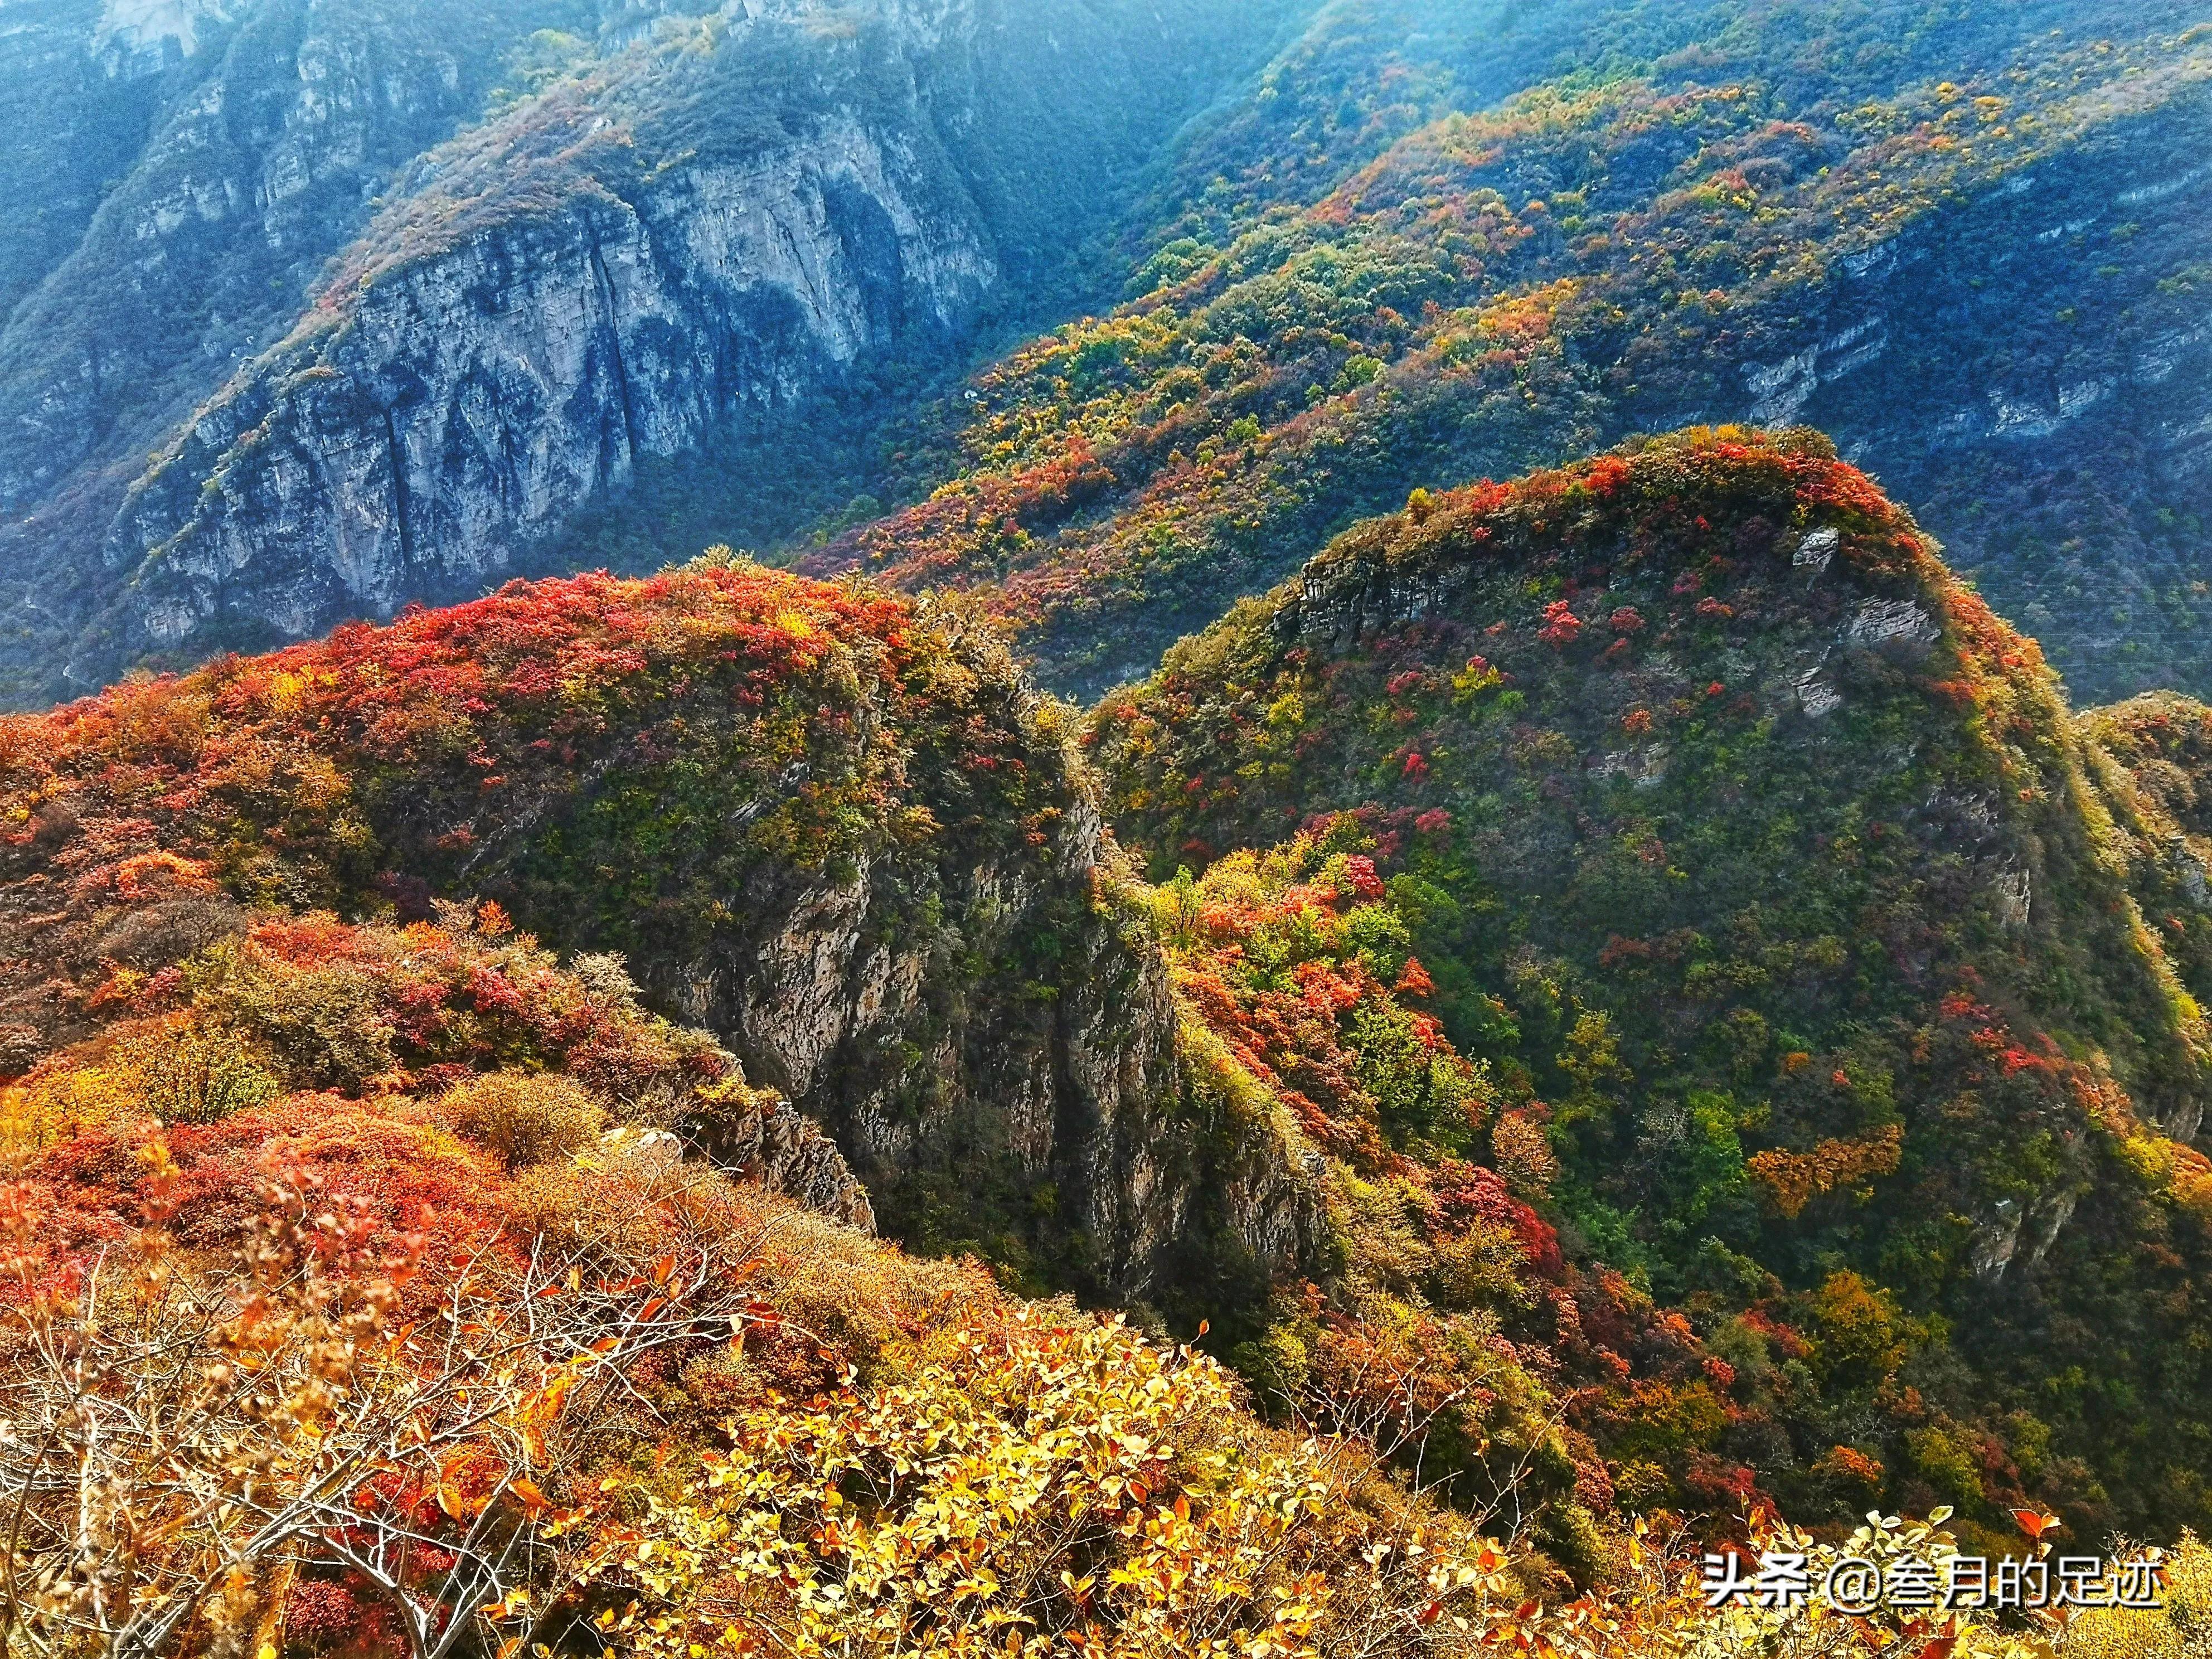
(1667, 1008)
(843, 836)
(1965, 240)
(395, 1288)
(659, 1404)
(579, 286)
(1856, 991)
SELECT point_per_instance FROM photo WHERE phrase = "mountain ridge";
(1721, 233)
(1769, 865)
(1729, 217)
(1653, 910)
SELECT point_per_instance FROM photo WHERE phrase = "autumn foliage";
(1757, 868)
(476, 1356)
(380, 1280)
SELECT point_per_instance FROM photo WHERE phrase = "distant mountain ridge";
(1967, 244)
(655, 221)
(598, 285)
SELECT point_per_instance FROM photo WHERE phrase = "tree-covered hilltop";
(1766, 872)
(1656, 1023)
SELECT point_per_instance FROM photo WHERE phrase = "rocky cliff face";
(1047, 1118)
(654, 221)
(182, 174)
(464, 406)
(845, 838)
(274, 125)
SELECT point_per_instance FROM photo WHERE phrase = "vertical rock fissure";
(399, 496)
(614, 347)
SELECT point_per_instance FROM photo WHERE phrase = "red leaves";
(1561, 626)
(2035, 1523)
(1608, 474)
(1466, 1194)
(321, 1614)
(1414, 980)
(492, 993)
(311, 941)
(1726, 1487)
(1328, 990)
(1784, 1338)
(159, 875)
(1958, 1005)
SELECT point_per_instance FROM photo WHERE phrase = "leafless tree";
(177, 1446)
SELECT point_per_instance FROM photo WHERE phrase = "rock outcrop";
(464, 406)
(1046, 1097)
(274, 126)
(841, 836)
(469, 403)
(765, 1138)
(393, 291)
